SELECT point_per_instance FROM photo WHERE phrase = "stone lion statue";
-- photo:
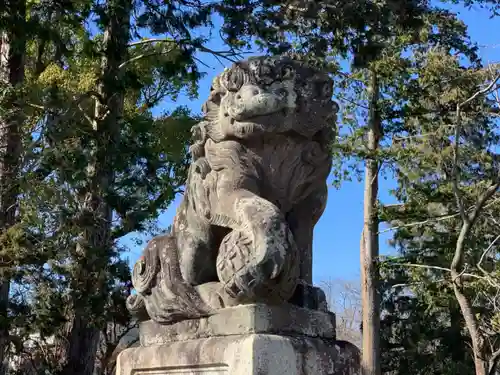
(255, 190)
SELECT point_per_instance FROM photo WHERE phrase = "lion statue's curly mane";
(255, 190)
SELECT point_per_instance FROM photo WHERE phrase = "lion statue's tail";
(162, 293)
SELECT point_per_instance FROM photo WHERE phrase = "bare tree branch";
(143, 56)
(444, 269)
(225, 54)
(485, 253)
(494, 362)
(471, 321)
(437, 218)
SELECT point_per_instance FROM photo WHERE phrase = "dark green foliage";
(422, 338)
(492, 5)
(423, 327)
(322, 28)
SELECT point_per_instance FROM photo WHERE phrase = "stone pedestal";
(245, 340)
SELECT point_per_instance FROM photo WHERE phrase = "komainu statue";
(255, 190)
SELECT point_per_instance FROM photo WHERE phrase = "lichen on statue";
(255, 190)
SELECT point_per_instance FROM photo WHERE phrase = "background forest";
(93, 148)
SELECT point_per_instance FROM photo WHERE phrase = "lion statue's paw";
(252, 269)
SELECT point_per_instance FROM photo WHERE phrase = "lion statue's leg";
(258, 259)
(302, 220)
(197, 250)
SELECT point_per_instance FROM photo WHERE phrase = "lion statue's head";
(268, 95)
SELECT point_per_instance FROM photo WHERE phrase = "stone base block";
(252, 354)
(288, 320)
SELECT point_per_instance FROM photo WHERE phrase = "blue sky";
(336, 236)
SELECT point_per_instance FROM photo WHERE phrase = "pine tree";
(445, 226)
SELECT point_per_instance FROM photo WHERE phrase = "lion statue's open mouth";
(255, 190)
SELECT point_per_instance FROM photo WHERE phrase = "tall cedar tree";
(20, 23)
(12, 54)
(93, 247)
(356, 29)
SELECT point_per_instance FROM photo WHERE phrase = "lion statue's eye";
(262, 71)
(326, 90)
(287, 72)
(233, 79)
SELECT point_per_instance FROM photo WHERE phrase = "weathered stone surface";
(254, 354)
(241, 320)
(255, 190)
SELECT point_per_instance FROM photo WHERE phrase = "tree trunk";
(369, 247)
(478, 347)
(82, 346)
(12, 55)
(93, 249)
(480, 357)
